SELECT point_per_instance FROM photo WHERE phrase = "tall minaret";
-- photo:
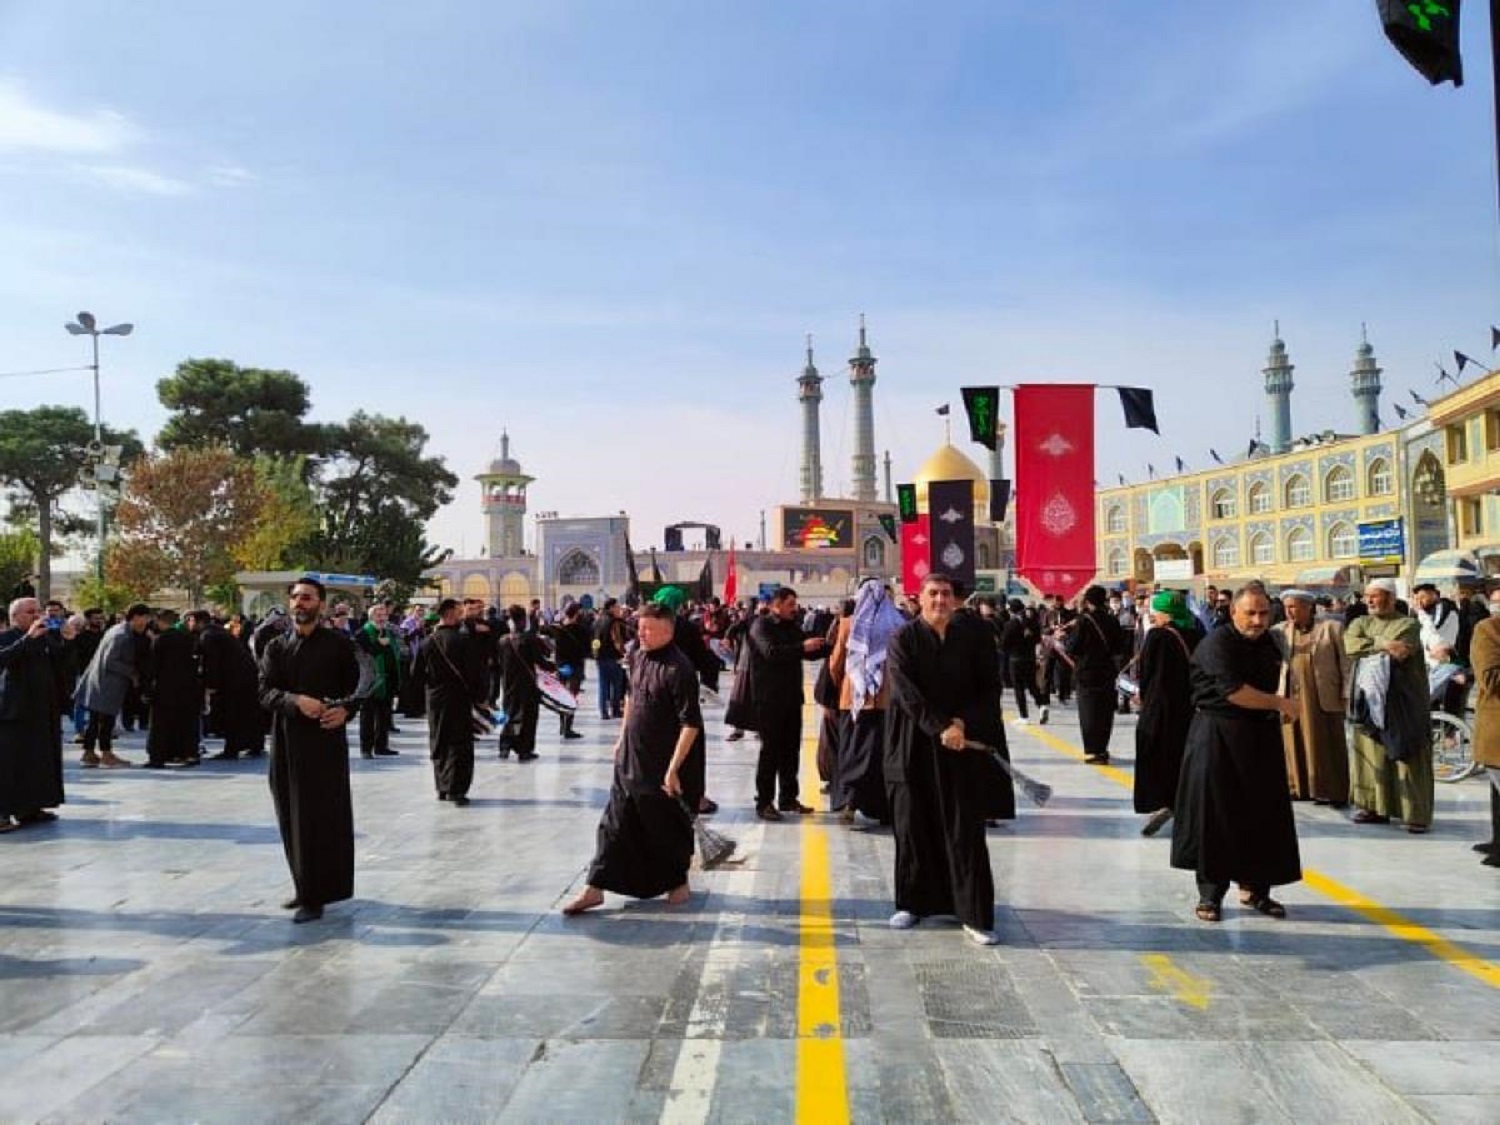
(503, 496)
(1278, 373)
(890, 489)
(810, 394)
(1364, 384)
(862, 379)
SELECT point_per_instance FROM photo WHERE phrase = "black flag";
(950, 506)
(1400, 410)
(943, 410)
(656, 578)
(1150, 468)
(1426, 34)
(633, 576)
(981, 404)
(1122, 479)
(1000, 500)
(1416, 398)
(1180, 465)
(1140, 408)
(706, 582)
(888, 525)
(906, 502)
(1461, 359)
(1494, 337)
(1214, 454)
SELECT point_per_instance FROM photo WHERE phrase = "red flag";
(731, 579)
(1054, 443)
(916, 554)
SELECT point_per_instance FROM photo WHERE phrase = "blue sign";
(1382, 541)
(766, 590)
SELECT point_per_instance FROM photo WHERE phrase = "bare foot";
(587, 899)
(678, 895)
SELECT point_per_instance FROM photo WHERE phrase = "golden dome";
(949, 464)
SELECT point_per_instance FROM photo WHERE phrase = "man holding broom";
(645, 840)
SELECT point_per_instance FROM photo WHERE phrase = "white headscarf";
(876, 620)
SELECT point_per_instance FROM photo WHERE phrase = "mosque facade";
(820, 545)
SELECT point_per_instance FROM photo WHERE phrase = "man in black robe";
(452, 665)
(945, 691)
(521, 653)
(311, 680)
(777, 648)
(571, 640)
(1234, 808)
(31, 772)
(1093, 641)
(645, 840)
(230, 677)
(174, 684)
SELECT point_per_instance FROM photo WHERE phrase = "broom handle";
(994, 751)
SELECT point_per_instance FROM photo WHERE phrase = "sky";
(606, 227)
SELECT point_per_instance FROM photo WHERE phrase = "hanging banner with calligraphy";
(916, 555)
(1054, 486)
(950, 514)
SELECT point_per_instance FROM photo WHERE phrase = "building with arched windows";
(1310, 512)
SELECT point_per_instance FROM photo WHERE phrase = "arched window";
(1224, 504)
(578, 568)
(1338, 485)
(1119, 563)
(1299, 545)
(1298, 492)
(982, 556)
(1226, 553)
(1114, 520)
(1260, 498)
(476, 586)
(1343, 541)
(515, 589)
(874, 553)
(1380, 477)
(1262, 548)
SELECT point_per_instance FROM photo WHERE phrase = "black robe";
(229, 671)
(940, 798)
(31, 770)
(309, 772)
(1166, 713)
(175, 688)
(452, 665)
(645, 838)
(520, 655)
(1233, 808)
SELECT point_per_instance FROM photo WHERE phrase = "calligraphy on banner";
(1054, 486)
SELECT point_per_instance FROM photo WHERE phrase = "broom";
(1038, 792)
(713, 848)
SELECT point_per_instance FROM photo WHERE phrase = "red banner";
(731, 580)
(916, 554)
(1054, 444)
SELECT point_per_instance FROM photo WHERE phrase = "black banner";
(906, 501)
(999, 500)
(950, 511)
(982, 405)
(888, 524)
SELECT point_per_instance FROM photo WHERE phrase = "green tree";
(251, 410)
(20, 551)
(288, 519)
(377, 491)
(42, 453)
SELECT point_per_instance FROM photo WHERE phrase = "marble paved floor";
(147, 973)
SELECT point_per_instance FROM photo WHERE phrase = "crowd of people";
(1245, 703)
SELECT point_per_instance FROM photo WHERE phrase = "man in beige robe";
(1384, 789)
(1317, 753)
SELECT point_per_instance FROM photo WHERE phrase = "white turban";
(1386, 584)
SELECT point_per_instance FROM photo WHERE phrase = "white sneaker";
(982, 937)
(903, 920)
(1041, 716)
(1023, 722)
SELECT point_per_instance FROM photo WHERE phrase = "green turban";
(1171, 603)
(673, 597)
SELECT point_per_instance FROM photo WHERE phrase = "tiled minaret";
(1278, 373)
(810, 395)
(503, 497)
(1364, 385)
(862, 379)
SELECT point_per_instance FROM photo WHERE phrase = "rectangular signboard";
(1175, 569)
(1382, 541)
(816, 528)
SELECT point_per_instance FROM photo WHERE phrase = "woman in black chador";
(1166, 707)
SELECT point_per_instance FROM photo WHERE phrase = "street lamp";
(86, 325)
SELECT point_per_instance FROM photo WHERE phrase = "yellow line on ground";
(1390, 920)
(822, 1085)
(1167, 976)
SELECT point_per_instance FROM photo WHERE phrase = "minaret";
(862, 379)
(503, 497)
(1364, 384)
(1278, 373)
(810, 394)
(890, 491)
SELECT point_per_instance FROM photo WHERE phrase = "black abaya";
(859, 773)
(309, 772)
(31, 770)
(1166, 713)
(453, 667)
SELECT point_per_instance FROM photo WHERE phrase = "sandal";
(1266, 905)
(1208, 912)
(1417, 829)
(1365, 816)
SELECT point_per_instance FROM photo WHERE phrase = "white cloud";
(228, 175)
(26, 124)
(127, 177)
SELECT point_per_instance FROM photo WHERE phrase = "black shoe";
(367, 753)
(307, 914)
(796, 807)
(395, 730)
(767, 812)
(461, 802)
(1096, 759)
(1486, 848)
(442, 796)
(707, 807)
(292, 903)
(225, 756)
(387, 753)
(153, 765)
(1491, 861)
(255, 753)
(571, 734)
(734, 736)
(531, 756)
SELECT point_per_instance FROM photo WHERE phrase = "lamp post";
(86, 325)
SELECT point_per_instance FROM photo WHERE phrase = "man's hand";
(952, 737)
(1399, 650)
(311, 708)
(672, 786)
(812, 644)
(38, 629)
(1288, 709)
(333, 718)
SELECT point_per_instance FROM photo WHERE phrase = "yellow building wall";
(1470, 420)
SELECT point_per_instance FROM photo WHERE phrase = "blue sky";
(607, 226)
